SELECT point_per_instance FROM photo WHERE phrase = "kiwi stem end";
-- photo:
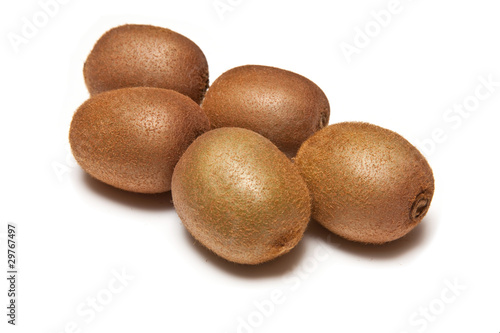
(420, 207)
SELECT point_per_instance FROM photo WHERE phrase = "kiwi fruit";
(135, 55)
(131, 138)
(283, 106)
(368, 184)
(240, 196)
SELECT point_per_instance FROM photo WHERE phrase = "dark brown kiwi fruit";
(146, 56)
(368, 184)
(240, 196)
(283, 106)
(131, 138)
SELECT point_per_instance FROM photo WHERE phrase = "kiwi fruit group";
(368, 184)
(135, 55)
(151, 126)
(131, 138)
(240, 196)
(283, 106)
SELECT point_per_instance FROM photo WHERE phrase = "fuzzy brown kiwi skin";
(135, 55)
(368, 184)
(283, 106)
(240, 197)
(131, 138)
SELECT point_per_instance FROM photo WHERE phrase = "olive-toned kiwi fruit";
(283, 106)
(240, 196)
(368, 184)
(146, 56)
(131, 138)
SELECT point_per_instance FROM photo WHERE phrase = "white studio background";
(94, 259)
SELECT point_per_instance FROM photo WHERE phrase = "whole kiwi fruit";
(368, 184)
(136, 55)
(240, 196)
(283, 106)
(131, 138)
